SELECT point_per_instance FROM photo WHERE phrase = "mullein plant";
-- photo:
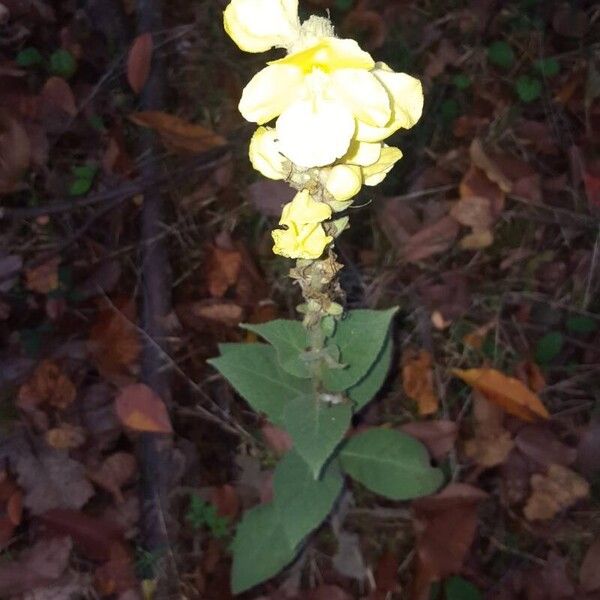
(323, 112)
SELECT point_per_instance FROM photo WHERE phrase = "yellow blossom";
(265, 155)
(303, 236)
(375, 173)
(258, 25)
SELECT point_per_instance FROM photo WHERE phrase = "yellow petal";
(362, 154)
(264, 154)
(307, 241)
(406, 94)
(329, 55)
(374, 174)
(269, 92)
(316, 132)
(304, 209)
(362, 92)
(257, 25)
(343, 182)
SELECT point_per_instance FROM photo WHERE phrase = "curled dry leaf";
(559, 489)
(65, 437)
(225, 312)
(177, 134)
(43, 279)
(476, 183)
(57, 95)
(506, 392)
(139, 60)
(488, 166)
(474, 212)
(492, 443)
(141, 409)
(15, 153)
(48, 385)
(417, 380)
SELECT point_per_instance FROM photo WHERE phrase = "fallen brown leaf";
(431, 240)
(445, 526)
(541, 445)
(57, 95)
(507, 392)
(52, 480)
(43, 279)
(141, 409)
(116, 471)
(48, 385)
(438, 436)
(138, 61)
(474, 212)
(177, 134)
(476, 338)
(65, 437)
(15, 153)
(476, 183)
(417, 380)
(589, 573)
(222, 270)
(114, 342)
(476, 240)
(559, 489)
(37, 566)
(483, 161)
(492, 443)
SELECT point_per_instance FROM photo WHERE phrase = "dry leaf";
(431, 240)
(37, 566)
(477, 240)
(437, 436)
(114, 342)
(65, 437)
(48, 385)
(492, 443)
(476, 338)
(365, 24)
(141, 409)
(139, 61)
(551, 493)
(226, 500)
(222, 270)
(177, 134)
(417, 380)
(486, 164)
(15, 153)
(117, 470)
(474, 212)
(445, 526)
(52, 481)
(541, 445)
(44, 278)
(228, 313)
(277, 439)
(589, 573)
(58, 95)
(507, 392)
(476, 183)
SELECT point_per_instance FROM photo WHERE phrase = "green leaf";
(549, 347)
(547, 67)
(528, 88)
(85, 171)
(301, 501)
(461, 81)
(289, 339)
(457, 588)
(29, 57)
(449, 110)
(253, 370)
(360, 338)
(63, 63)
(390, 463)
(316, 427)
(260, 548)
(80, 187)
(364, 391)
(501, 54)
(581, 324)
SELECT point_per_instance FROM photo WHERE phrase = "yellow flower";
(406, 94)
(265, 155)
(375, 173)
(304, 236)
(258, 25)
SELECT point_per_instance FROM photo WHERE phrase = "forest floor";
(486, 235)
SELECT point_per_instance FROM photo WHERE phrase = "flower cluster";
(333, 107)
